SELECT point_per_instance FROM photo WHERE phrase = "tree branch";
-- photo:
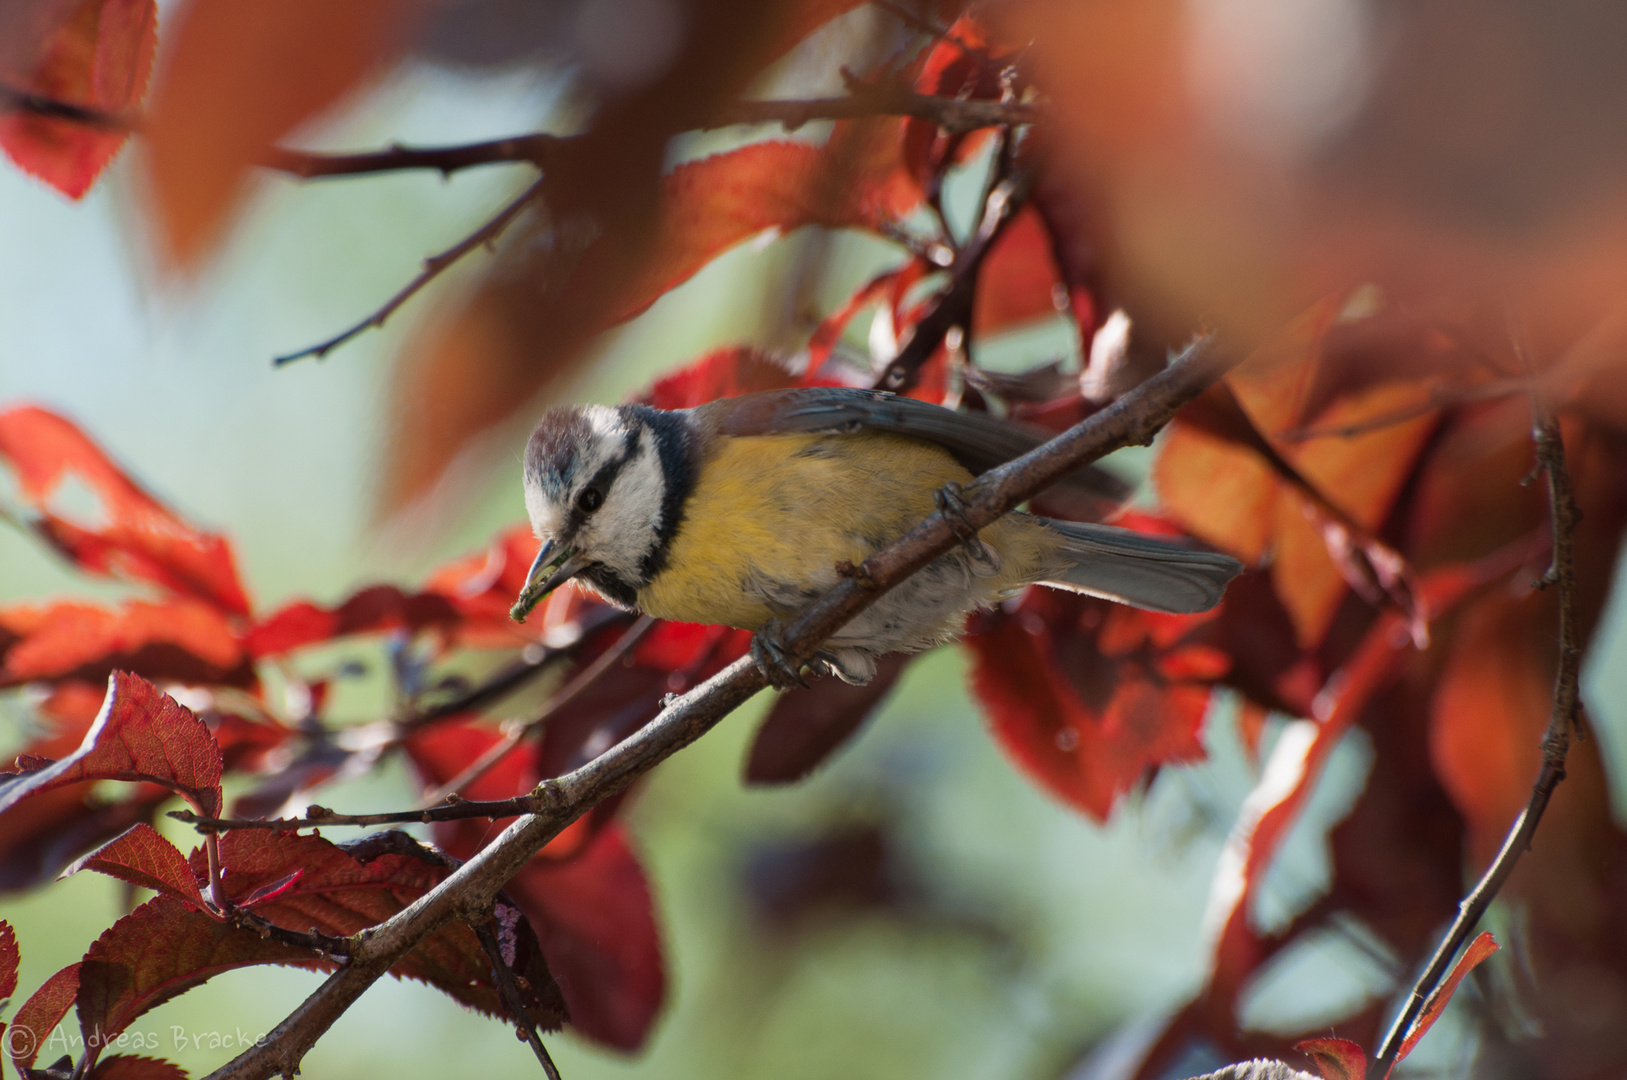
(467, 894)
(537, 149)
(512, 997)
(15, 98)
(954, 115)
(953, 306)
(434, 267)
(1563, 722)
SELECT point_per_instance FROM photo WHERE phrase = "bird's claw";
(769, 654)
(953, 509)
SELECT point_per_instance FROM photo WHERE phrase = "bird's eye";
(590, 500)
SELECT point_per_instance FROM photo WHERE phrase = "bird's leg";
(769, 653)
(953, 508)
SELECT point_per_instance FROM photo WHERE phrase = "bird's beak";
(553, 566)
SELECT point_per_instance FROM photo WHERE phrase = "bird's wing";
(977, 440)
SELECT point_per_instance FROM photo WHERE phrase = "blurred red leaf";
(1336, 1059)
(372, 610)
(40, 1015)
(180, 639)
(806, 726)
(140, 734)
(240, 75)
(144, 858)
(98, 58)
(889, 287)
(1088, 695)
(1480, 948)
(138, 538)
(1213, 477)
(133, 1067)
(595, 917)
(721, 373)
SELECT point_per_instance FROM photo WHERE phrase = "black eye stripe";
(604, 478)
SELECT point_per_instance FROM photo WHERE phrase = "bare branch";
(14, 98)
(434, 266)
(467, 893)
(316, 817)
(953, 306)
(536, 149)
(954, 115)
(511, 995)
(1563, 722)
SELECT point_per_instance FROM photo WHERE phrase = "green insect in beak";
(553, 566)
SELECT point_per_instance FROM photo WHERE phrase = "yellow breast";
(771, 516)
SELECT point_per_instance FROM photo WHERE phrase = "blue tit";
(737, 512)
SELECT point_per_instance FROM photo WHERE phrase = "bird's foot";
(768, 650)
(985, 560)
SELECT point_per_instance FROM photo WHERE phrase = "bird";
(737, 512)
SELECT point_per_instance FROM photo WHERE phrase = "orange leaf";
(98, 58)
(1019, 282)
(240, 75)
(181, 639)
(1480, 948)
(1336, 1059)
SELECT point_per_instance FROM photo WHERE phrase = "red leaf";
(99, 58)
(140, 734)
(138, 538)
(9, 959)
(159, 951)
(131, 1067)
(239, 76)
(721, 373)
(40, 1015)
(1019, 281)
(594, 916)
(143, 857)
(372, 610)
(1088, 695)
(1480, 948)
(302, 882)
(180, 639)
(1336, 1059)
(806, 726)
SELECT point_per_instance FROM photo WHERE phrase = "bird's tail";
(1140, 570)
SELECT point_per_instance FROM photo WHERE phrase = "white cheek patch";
(627, 528)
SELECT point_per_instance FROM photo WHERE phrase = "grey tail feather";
(1140, 570)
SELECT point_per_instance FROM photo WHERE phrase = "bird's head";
(600, 499)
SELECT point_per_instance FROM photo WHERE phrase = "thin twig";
(1563, 722)
(512, 996)
(320, 817)
(954, 115)
(537, 148)
(953, 306)
(336, 949)
(468, 892)
(434, 266)
(568, 693)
